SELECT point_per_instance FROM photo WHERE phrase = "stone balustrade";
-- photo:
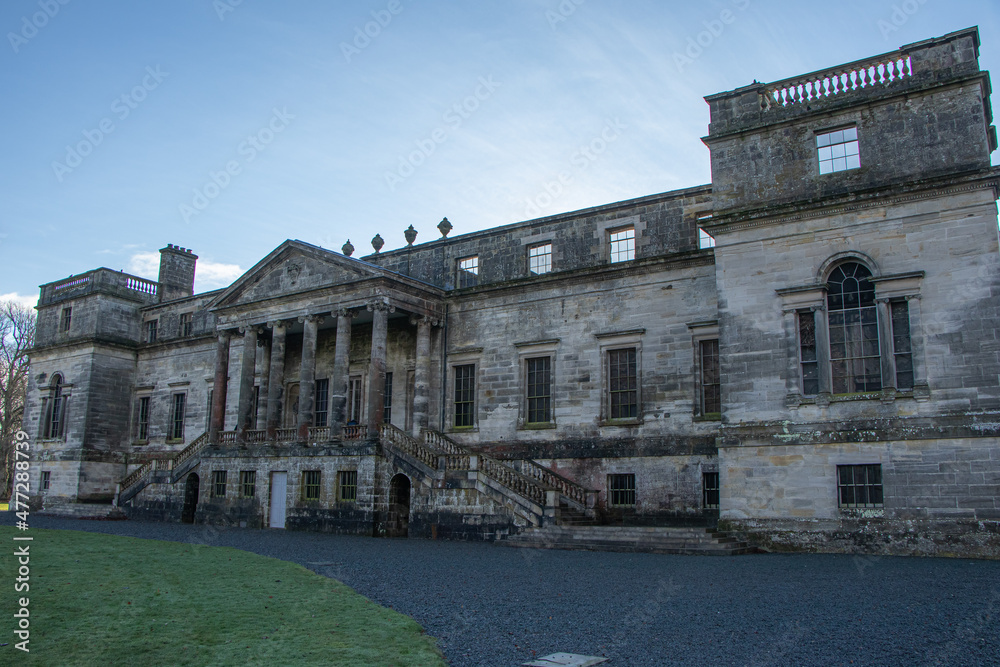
(885, 70)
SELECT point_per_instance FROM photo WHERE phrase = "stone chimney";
(176, 272)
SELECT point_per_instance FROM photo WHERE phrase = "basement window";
(347, 485)
(859, 486)
(248, 483)
(838, 151)
(218, 483)
(710, 490)
(621, 490)
(310, 484)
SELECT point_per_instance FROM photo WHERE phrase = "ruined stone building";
(826, 376)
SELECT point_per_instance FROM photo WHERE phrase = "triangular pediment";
(295, 267)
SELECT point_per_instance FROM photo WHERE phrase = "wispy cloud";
(208, 275)
(28, 301)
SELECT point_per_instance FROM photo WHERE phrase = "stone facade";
(825, 377)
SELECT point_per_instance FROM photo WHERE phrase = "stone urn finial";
(347, 248)
(445, 227)
(377, 243)
(410, 235)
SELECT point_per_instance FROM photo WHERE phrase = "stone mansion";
(803, 352)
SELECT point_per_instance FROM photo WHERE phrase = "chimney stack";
(176, 272)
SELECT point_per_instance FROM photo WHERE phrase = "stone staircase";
(83, 511)
(648, 539)
(164, 470)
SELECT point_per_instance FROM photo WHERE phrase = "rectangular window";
(387, 400)
(838, 151)
(248, 483)
(623, 385)
(859, 485)
(46, 480)
(807, 353)
(621, 490)
(65, 318)
(705, 240)
(465, 395)
(142, 419)
(711, 388)
(322, 401)
(186, 324)
(710, 490)
(540, 258)
(151, 331)
(539, 390)
(218, 483)
(468, 271)
(354, 401)
(622, 244)
(854, 350)
(903, 354)
(177, 418)
(310, 485)
(347, 485)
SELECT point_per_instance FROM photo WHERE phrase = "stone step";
(648, 539)
(83, 511)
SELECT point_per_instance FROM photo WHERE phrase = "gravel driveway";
(491, 605)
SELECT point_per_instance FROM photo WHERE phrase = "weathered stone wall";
(665, 224)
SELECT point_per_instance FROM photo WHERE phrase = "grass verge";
(106, 600)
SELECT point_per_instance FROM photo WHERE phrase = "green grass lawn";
(104, 600)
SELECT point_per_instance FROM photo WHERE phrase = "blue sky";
(229, 126)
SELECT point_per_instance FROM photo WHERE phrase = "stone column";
(341, 370)
(307, 375)
(276, 378)
(247, 367)
(422, 377)
(264, 357)
(218, 422)
(380, 310)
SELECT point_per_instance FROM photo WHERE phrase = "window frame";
(613, 342)
(347, 486)
(848, 138)
(801, 301)
(65, 319)
(46, 481)
(185, 326)
(469, 369)
(870, 487)
(321, 404)
(615, 254)
(387, 398)
(547, 266)
(55, 402)
(178, 415)
(710, 489)
(625, 491)
(248, 480)
(463, 273)
(312, 485)
(143, 407)
(219, 483)
(151, 332)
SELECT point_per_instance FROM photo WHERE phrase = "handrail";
(169, 463)
(398, 439)
(552, 479)
(354, 432)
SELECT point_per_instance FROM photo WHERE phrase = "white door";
(279, 483)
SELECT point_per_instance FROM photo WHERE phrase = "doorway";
(279, 488)
(190, 498)
(399, 506)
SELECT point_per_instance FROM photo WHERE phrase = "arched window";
(855, 363)
(55, 410)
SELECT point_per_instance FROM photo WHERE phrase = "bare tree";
(17, 331)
